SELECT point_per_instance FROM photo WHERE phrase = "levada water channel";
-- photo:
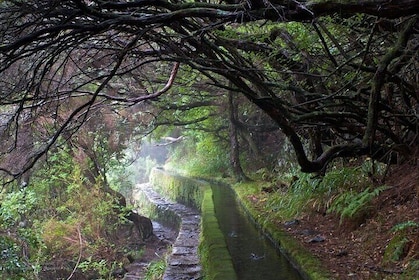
(254, 256)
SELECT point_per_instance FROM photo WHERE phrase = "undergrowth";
(155, 270)
(403, 247)
(344, 191)
(355, 206)
(58, 225)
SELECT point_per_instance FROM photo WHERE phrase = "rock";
(316, 239)
(143, 224)
(233, 234)
(292, 223)
(119, 273)
(255, 257)
(341, 253)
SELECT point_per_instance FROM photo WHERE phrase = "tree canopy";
(339, 74)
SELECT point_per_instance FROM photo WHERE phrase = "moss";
(155, 212)
(178, 188)
(215, 258)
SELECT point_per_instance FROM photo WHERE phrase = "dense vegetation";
(59, 223)
(260, 90)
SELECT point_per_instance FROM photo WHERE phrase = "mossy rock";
(396, 249)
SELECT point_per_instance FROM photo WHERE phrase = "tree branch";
(151, 95)
(379, 79)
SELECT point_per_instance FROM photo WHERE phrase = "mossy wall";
(178, 188)
(155, 212)
(215, 258)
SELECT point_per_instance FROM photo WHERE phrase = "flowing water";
(254, 256)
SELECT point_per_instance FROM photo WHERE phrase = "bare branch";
(151, 95)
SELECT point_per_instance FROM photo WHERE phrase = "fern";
(350, 205)
(405, 225)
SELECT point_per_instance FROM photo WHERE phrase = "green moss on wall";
(156, 212)
(215, 258)
(178, 188)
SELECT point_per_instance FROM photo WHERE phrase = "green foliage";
(62, 214)
(353, 205)
(15, 206)
(287, 206)
(403, 247)
(396, 249)
(103, 269)
(17, 239)
(404, 226)
(344, 178)
(338, 179)
(155, 270)
(303, 191)
(11, 261)
(202, 155)
(211, 157)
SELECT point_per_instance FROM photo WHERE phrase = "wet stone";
(187, 242)
(183, 250)
(183, 260)
(183, 263)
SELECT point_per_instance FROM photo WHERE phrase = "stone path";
(183, 262)
(154, 249)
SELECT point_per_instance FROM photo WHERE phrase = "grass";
(155, 270)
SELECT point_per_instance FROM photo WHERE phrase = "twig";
(80, 252)
(384, 270)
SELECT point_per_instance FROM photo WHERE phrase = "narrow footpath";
(183, 261)
(155, 249)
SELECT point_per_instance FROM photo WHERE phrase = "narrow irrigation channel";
(238, 250)
(254, 256)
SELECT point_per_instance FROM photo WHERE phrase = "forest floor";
(358, 250)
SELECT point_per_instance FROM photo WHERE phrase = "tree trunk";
(234, 143)
(378, 82)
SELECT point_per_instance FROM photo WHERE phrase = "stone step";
(183, 262)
